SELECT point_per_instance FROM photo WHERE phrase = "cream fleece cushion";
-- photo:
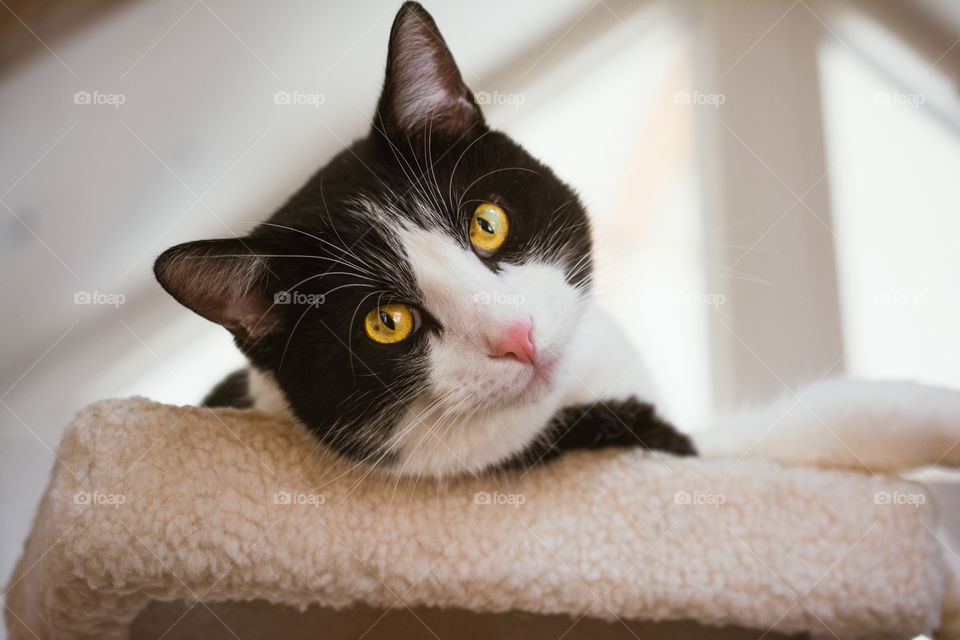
(154, 502)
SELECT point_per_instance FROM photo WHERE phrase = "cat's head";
(415, 300)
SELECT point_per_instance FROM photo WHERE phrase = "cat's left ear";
(423, 92)
(227, 281)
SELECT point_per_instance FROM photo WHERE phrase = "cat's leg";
(609, 400)
(613, 423)
(877, 426)
(232, 391)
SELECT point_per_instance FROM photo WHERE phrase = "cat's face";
(428, 280)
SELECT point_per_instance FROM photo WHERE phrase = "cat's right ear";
(225, 281)
(423, 91)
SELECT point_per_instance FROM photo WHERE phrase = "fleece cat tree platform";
(152, 509)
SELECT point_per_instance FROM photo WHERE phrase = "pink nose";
(516, 342)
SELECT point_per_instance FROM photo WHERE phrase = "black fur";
(617, 423)
(232, 391)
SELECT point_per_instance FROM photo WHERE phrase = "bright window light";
(894, 149)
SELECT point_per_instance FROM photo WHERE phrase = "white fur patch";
(266, 393)
(840, 423)
(481, 410)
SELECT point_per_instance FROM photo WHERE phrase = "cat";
(422, 304)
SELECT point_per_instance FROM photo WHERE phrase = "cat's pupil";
(387, 321)
(485, 225)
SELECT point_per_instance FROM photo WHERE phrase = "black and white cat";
(423, 304)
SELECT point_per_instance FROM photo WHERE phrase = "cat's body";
(423, 303)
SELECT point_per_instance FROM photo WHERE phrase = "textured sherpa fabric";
(153, 502)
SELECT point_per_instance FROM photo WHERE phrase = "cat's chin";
(474, 438)
(535, 383)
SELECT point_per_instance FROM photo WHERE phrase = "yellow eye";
(489, 227)
(390, 323)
